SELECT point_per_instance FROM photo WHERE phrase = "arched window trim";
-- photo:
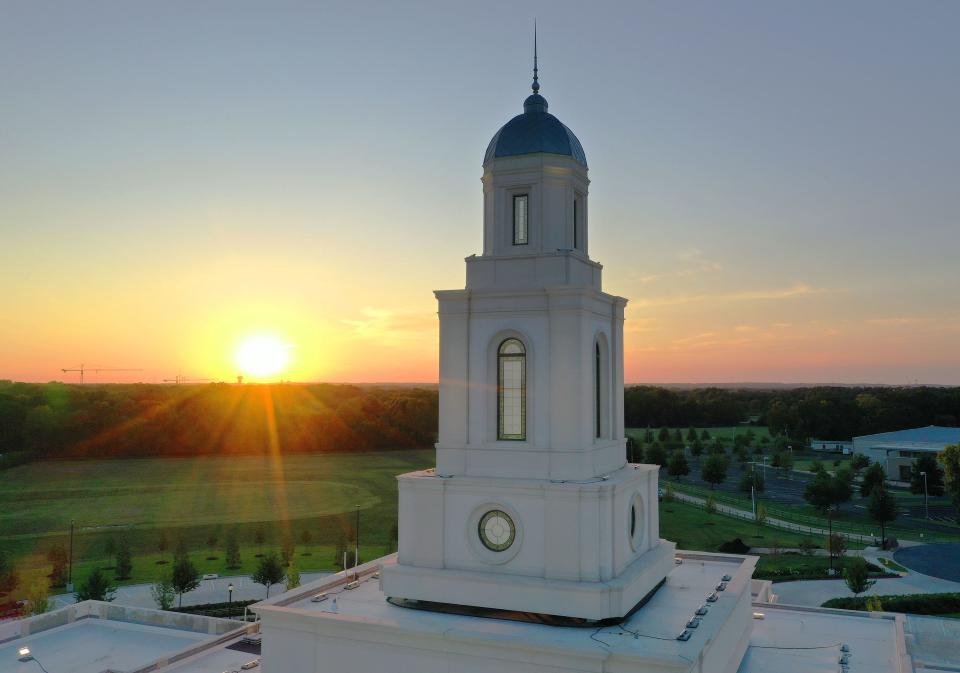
(511, 390)
(597, 391)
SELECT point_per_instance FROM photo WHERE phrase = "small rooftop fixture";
(712, 598)
(702, 610)
(318, 598)
(722, 586)
(693, 623)
(684, 635)
(352, 585)
(726, 578)
(758, 615)
(250, 664)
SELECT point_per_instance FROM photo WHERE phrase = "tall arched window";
(597, 397)
(512, 390)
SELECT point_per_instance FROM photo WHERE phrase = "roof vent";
(684, 635)
(712, 598)
(693, 623)
(702, 610)
(678, 561)
(722, 586)
(726, 578)
(844, 648)
(352, 585)
(318, 598)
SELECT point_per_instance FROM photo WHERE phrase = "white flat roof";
(651, 631)
(809, 640)
(92, 645)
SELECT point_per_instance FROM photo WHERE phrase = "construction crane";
(84, 369)
(179, 378)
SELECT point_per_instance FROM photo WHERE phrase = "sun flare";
(262, 356)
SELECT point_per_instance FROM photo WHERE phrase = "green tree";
(648, 436)
(751, 479)
(110, 547)
(926, 463)
(678, 466)
(857, 575)
(704, 435)
(663, 435)
(761, 517)
(678, 436)
(816, 466)
(184, 577)
(123, 565)
(824, 493)
(714, 470)
(786, 463)
(259, 537)
(882, 508)
(233, 551)
(656, 454)
(873, 477)
(950, 459)
(57, 557)
(696, 448)
(293, 577)
(96, 588)
(306, 538)
(691, 434)
(858, 462)
(39, 598)
(163, 592)
(269, 571)
(287, 550)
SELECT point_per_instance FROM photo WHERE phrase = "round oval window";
(497, 530)
(635, 522)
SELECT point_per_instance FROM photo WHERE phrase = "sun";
(262, 355)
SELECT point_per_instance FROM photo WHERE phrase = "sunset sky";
(775, 186)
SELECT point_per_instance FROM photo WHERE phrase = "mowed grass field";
(193, 498)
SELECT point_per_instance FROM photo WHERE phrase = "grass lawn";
(695, 529)
(190, 498)
(892, 565)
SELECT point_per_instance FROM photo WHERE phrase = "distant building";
(831, 445)
(897, 450)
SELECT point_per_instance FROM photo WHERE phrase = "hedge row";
(226, 609)
(918, 604)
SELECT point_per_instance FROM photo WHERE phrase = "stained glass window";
(512, 390)
(520, 212)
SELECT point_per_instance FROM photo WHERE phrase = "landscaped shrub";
(734, 546)
(919, 604)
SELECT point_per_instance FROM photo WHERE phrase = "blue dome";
(534, 131)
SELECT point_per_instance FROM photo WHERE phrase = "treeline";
(54, 420)
(803, 413)
(51, 421)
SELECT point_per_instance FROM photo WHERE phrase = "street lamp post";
(230, 598)
(926, 503)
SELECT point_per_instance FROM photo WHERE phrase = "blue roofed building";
(897, 450)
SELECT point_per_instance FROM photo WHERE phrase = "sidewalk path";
(816, 592)
(209, 591)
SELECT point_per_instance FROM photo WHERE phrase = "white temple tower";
(532, 506)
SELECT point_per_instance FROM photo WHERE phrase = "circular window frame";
(483, 552)
(636, 520)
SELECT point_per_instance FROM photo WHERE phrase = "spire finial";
(536, 82)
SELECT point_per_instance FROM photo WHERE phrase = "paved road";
(937, 560)
(209, 591)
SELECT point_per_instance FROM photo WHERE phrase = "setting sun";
(262, 356)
